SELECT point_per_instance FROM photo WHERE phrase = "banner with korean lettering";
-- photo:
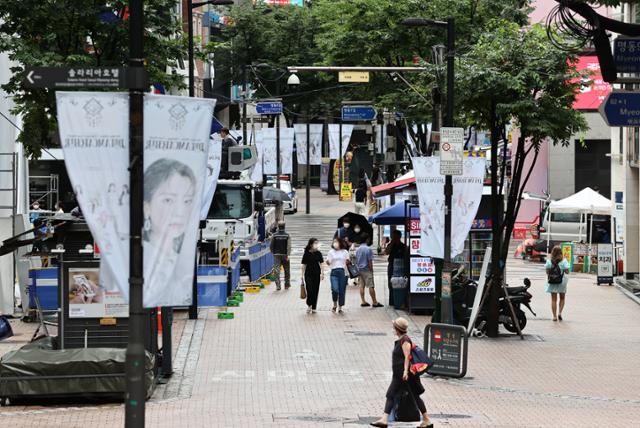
(467, 194)
(176, 140)
(315, 147)
(94, 135)
(286, 150)
(266, 138)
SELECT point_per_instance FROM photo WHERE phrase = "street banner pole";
(308, 192)
(135, 358)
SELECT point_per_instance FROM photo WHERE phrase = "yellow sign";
(353, 76)
(345, 192)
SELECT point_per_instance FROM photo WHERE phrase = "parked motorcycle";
(463, 292)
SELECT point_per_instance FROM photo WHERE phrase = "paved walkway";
(274, 365)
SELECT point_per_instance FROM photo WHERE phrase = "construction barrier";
(44, 285)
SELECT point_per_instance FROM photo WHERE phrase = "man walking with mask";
(281, 250)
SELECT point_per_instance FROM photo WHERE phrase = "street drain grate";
(365, 333)
(366, 420)
(312, 418)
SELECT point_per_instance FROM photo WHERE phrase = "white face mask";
(356, 229)
(336, 246)
(316, 246)
(346, 225)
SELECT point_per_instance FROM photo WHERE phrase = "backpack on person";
(556, 275)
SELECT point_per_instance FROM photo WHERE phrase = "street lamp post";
(193, 309)
(445, 315)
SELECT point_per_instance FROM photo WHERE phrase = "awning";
(393, 187)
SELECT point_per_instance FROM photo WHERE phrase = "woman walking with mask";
(312, 273)
(337, 259)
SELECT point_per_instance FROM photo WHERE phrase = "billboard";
(591, 96)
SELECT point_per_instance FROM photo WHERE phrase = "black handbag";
(353, 270)
(406, 407)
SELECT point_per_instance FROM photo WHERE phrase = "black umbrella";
(357, 219)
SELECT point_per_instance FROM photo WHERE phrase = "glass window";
(231, 202)
(565, 217)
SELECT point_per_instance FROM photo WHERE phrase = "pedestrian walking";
(364, 261)
(402, 377)
(337, 260)
(557, 269)
(345, 233)
(312, 273)
(396, 250)
(361, 194)
(281, 249)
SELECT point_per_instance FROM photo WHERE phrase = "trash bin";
(399, 289)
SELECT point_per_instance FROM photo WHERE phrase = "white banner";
(286, 150)
(467, 193)
(266, 137)
(334, 139)
(213, 172)
(176, 139)
(315, 149)
(256, 172)
(94, 135)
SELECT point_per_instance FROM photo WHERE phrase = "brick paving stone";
(274, 365)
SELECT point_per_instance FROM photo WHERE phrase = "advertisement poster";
(605, 263)
(422, 266)
(567, 254)
(414, 227)
(315, 149)
(176, 143)
(94, 135)
(415, 245)
(345, 192)
(422, 284)
(324, 174)
(87, 299)
(286, 150)
(213, 172)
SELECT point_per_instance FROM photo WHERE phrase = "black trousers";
(312, 284)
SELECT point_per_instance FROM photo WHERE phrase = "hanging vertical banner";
(176, 140)
(334, 139)
(286, 150)
(214, 158)
(256, 172)
(94, 135)
(467, 193)
(267, 138)
(315, 149)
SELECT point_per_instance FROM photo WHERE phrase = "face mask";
(316, 246)
(346, 225)
(356, 229)
(336, 246)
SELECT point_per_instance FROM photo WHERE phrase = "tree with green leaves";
(64, 33)
(517, 76)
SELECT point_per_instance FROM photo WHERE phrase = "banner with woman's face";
(176, 147)
(94, 134)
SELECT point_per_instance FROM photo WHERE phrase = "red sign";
(414, 227)
(591, 96)
(437, 336)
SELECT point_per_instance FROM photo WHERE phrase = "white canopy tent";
(585, 202)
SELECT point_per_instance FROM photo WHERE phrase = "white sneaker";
(309, 309)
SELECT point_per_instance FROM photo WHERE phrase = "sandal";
(379, 424)
(365, 304)
(378, 305)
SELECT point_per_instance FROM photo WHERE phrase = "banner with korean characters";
(605, 264)
(422, 266)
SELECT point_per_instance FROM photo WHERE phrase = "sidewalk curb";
(628, 293)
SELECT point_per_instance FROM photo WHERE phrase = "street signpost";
(353, 77)
(626, 54)
(358, 113)
(621, 108)
(451, 150)
(272, 107)
(78, 77)
(447, 346)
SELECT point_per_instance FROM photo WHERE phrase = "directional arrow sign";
(76, 77)
(269, 108)
(621, 108)
(358, 113)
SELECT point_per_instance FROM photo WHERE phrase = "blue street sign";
(358, 113)
(621, 108)
(626, 54)
(269, 108)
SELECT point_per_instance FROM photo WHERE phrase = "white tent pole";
(548, 215)
(590, 233)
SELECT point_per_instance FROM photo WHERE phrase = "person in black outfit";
(402, 377)
(312, 273)
(395, 250)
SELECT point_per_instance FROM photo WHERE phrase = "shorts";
(367, 278)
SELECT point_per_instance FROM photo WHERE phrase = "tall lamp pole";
(444, 299)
